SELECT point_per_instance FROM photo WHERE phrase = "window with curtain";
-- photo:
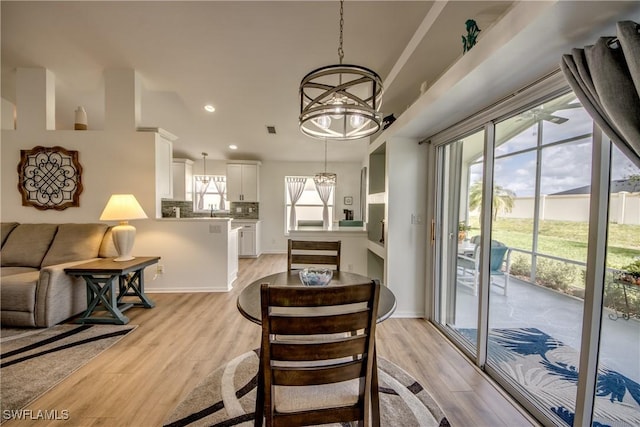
(210, 193)
(309, 206)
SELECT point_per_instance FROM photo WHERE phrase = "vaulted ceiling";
(244, 57)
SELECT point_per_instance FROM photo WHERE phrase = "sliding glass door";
(458, 267)
(512, 236)
(618, 373)
(540, 213)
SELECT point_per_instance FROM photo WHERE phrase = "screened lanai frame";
(547, 88)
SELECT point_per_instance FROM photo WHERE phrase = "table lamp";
(123, 207)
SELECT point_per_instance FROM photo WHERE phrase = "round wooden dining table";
(249, 298)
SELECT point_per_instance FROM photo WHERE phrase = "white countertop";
(338, 230)
(200, 218)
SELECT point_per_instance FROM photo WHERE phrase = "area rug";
(227, 398)
(548, 369)
(33, 362)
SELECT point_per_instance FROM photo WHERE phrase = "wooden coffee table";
(100, 277)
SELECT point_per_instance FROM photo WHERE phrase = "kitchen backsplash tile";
(244, 210)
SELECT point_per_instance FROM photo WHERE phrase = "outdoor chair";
(302, 253)
(322, 368)
(469, 266)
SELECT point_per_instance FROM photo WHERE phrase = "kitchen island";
(354, 244)
(198, 254)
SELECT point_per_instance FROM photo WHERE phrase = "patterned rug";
(548, 369)
(227, 398)
(34, 361)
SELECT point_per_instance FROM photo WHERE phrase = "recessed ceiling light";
(233, 147)
(210, 108)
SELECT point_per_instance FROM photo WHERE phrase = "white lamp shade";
(122, 207)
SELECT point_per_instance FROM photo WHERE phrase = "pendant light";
(341, 101)
(325, 178)
(204, 179)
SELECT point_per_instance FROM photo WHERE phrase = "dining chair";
(302, 253)
(322, 368)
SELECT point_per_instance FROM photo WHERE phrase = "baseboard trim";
(407, 315)
(184, 290)
(274, 252)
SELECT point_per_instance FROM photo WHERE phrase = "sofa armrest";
(59, 295)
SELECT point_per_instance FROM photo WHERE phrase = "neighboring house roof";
(617, 186)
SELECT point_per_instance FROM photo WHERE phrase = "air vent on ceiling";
(271, 129)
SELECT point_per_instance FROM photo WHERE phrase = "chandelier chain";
(340, 50)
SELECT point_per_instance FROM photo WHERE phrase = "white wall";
(624, 209)
(272, 196)
(118, 160)
(407, 232)
(112, 162)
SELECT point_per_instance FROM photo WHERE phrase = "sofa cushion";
(18, 292)
(5, 229)
(27, 245)
(75, 242)
(10, 271)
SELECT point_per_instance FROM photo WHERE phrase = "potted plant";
(631, 273)
(462, 231)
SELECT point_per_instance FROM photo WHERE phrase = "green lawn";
(565, 239)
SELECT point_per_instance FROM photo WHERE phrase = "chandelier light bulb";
(338, 110)
(324, 122)
(356, 120)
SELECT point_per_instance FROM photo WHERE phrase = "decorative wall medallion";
(49, 178)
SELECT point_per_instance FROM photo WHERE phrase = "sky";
(563, 167)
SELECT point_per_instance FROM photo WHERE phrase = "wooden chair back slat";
(317, 376)
(324, 416)
(318, 297)
(344, 347)
(308, 325)
(309, 253)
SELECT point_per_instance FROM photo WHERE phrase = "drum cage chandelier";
(340, 101)
(325, 178)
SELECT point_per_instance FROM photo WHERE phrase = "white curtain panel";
(324, 191)
(295, 187)
(200, 194)
(606, 79)
(221, 186)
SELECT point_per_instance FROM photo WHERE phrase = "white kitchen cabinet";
(232, 256)
(163, 162)
(164, 156)
(248, 238)
(243, 182)
(183, 179)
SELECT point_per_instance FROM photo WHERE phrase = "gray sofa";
(34, 289)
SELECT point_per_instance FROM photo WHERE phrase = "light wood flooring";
(139, 380)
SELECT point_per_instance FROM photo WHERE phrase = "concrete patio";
(558, 315)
